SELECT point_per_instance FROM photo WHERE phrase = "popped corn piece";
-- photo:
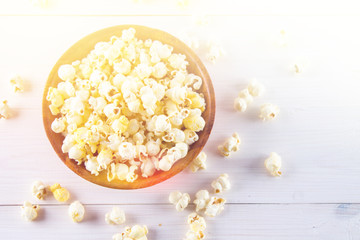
(4, 110)
(231, 144)
(76, 211)
(29, 212)
(255, 88)
(180, 200)
(17, 83)
(115, 216)
(273, 164)
(196, 222)
(134, 233)
(199, 162)
(138, 232)
(190, 41)
(215, 51)
(268, 111)
(66, 72)
(194, 121)
(298, 68)
(61, 194)
(202, 199)
(58, 125)
(147, 167)
(245, 94)
(215, 206)
(221, 184)
(190, 235)
(38, 190)
(152, 147)
(240, 104)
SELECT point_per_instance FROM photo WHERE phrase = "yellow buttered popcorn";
(232, 144)
(17, 83)
(60, 194)
(4, 110)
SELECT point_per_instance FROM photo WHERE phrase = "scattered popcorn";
(61, 194)
(38, 190)
(115, 216)
(240, 104)
(215, 206)
(202, 199)
(136, 232)
(39, 3)
(221, 184)
(17, 83)
(196, 222)
(298, 68)
(129, 108)
(180, 200)
(76, 211)
(245, 94)
(29, 212)
(255, 88)
(4, 110)
(199, 162)
(268, 111)
(232, 144)
(273, 164)
(215, 51)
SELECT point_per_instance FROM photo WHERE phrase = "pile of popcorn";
(130, 106)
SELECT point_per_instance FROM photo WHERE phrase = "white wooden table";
(317, 133)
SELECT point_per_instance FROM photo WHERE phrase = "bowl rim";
(161, 176)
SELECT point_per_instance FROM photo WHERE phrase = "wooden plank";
(317, 132)
(249, 221)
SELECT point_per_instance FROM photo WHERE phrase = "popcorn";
(268, 111)
(17, 83)
(136, 232)
(190, 41)
(61, 194)
(255, 88)
(115, 216)
(58, 125)
(198, 162)
(29, 212)
(221, 184)
(190, 235)
(4, 110)
(215, 51)
(180, 200)
(76, 211)
(38, 190)
(273, 164)
(202, 199)
(232, 144)
(240, 104)
(196, 222)
(129, 106)
(66, 72)
(245, 94)
(298, 68)
(215, 206)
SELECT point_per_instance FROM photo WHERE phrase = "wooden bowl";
(80, 50)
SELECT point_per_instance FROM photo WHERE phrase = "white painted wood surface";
(317, 132)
